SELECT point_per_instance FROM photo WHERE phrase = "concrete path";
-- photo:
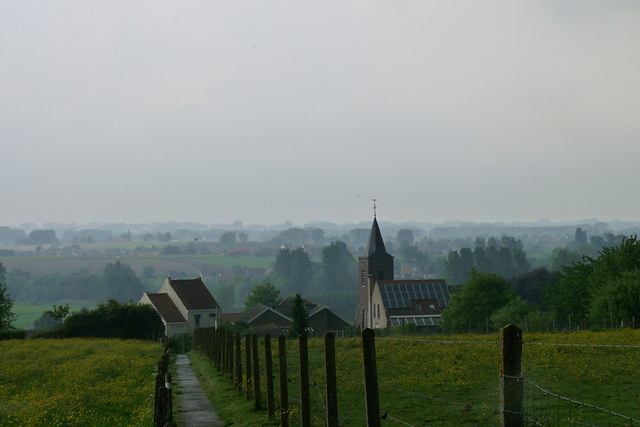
(194, 408)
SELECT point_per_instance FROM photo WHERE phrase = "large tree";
(120, 282)
(296, 268)
(266, 294)
(338, 268)
(474, 303)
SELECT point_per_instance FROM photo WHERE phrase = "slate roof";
(167, 309)
(375, 247)
(193, 294)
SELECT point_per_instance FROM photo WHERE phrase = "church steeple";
(375, 247)
(374, 266)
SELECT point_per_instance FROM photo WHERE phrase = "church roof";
(375, 247)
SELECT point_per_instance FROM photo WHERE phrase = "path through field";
(194, 408)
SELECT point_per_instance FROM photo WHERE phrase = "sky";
(267, 111)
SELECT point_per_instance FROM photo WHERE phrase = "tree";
(618, 300)
(51, 319)
(476, 301)
(120, 282)
(532, 284)
(228, 239)
(295, 267)
(583, 281)
(300, 321)
(6, 304)
(338, 268)
(505, 258)
(266, 294)
(242, 236)
(514, 312)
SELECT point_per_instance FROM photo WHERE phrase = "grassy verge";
(231, 406)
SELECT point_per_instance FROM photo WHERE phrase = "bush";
(112, 320)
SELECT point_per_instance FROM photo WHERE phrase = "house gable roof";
(257, 311)
(193, 294)
(167, 309)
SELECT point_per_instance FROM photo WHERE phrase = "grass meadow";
(77, 382)
(26, 314)
(424, 380)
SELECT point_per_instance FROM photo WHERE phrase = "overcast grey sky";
(265, 111)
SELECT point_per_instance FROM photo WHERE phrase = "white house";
(184, 305)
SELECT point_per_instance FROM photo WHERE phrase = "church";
(384, 302)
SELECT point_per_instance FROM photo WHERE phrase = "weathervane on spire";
(374, 208)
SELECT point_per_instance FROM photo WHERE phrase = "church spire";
(375, 247)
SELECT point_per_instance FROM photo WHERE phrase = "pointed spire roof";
(375, 247)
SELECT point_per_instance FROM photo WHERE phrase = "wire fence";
(423, 380)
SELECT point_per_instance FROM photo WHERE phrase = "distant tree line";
(117, 281)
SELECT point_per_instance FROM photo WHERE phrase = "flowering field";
(454, 380)
(77, 382)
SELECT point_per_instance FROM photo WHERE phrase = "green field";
(77, 382)
(425, 381)
(163, 265)
(28, 313)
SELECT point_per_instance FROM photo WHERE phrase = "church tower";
(376, 265)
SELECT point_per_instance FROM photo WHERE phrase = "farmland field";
(454, 380)
(77, 382)
(163, 265)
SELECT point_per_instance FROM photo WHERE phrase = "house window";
(419, 307)
(212, 315)
(432, 307)
(197, 317)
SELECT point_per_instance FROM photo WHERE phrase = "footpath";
(194, 408)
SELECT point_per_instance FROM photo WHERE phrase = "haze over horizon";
(265, 112)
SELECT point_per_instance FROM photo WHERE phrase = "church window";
(364, 278)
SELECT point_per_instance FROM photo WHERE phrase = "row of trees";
(599, 291)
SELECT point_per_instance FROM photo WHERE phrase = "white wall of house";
(207, 318)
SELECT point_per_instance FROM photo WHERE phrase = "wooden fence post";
(370, 378)
(330, 375)
(169, 403)
(284, 391)
(238, 362)
(305, 396)
(511, 385)
(256, 372)
(230, 355)
(269, 374)
(247, 361)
